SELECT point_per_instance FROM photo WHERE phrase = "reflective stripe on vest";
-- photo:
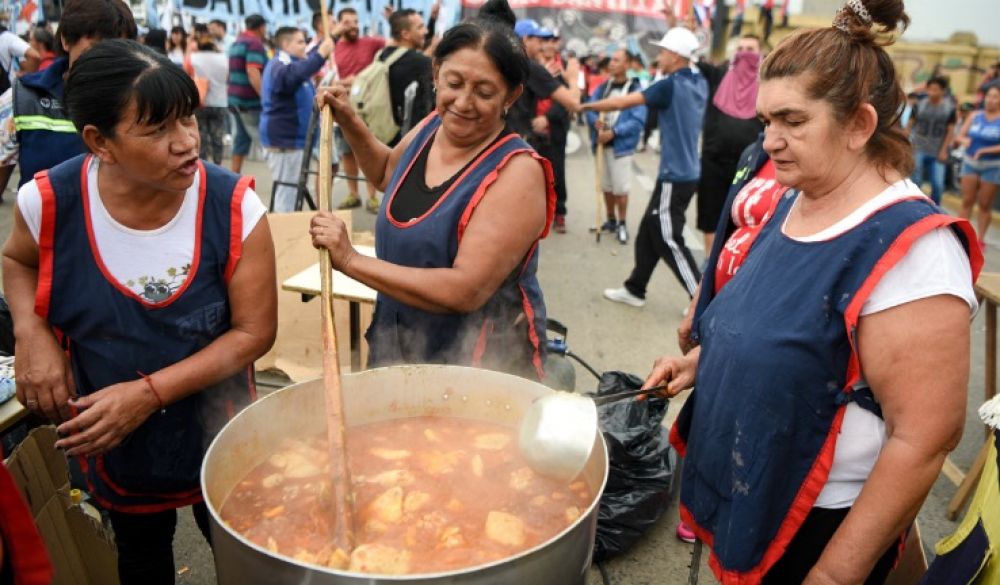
(43, 123)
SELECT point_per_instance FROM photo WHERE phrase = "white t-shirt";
(936, 264)
(151, 263)
(12, 50)
(213, 66)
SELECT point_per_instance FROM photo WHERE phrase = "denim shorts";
(988, 172)
(343, 147)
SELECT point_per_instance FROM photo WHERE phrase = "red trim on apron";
(202, 187)
(146, 508)
(251, 384)
(480, 350)
(236, 225)
(134, 508)
(550, 206)
(26, 553)
(46, 243)
(99, 460)
(677, 441)
(894, 254)
(820, 470)
(444, 197)
(529, 313)
(477, 197)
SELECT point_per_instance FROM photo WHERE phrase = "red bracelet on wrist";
(152, 389)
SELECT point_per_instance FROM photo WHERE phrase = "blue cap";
(527, 27)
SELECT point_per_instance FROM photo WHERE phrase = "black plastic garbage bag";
(643, 466)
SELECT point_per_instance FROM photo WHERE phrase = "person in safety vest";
(467, 200)
(43, 134)
(825, 402)
(142, 283)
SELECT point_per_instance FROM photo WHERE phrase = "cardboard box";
(81, 549)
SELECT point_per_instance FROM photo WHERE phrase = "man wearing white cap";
(680, 98)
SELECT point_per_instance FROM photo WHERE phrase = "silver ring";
(31, 404)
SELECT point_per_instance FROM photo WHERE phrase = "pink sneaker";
(685, 533)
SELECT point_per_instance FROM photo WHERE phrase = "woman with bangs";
(831, 377)
(142, 283)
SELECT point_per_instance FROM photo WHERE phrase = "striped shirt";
(246, 52)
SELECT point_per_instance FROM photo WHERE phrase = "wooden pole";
(325, 15)
(343, 527)
(598, 171)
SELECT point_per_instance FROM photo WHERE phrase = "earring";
(505, 110)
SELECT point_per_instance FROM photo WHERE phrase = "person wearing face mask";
(731, 125)
(467, 201)
(287, 96)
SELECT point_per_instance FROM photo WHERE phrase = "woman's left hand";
(106, 417)
(330, 232)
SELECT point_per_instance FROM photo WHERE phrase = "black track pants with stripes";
(661, 236)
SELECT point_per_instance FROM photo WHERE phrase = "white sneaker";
(621, 295)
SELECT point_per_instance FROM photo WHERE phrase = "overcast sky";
(932, 20)
(936, 20)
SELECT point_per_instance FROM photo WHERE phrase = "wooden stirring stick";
(343, 531)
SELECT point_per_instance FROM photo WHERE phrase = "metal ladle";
(558, 430)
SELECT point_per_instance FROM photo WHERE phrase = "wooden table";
(988, 291)
(358, 295)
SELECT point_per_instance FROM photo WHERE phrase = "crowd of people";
(825, 402)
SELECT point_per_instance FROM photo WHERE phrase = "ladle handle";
(599, 400)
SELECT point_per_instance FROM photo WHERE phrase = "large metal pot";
(378, 395)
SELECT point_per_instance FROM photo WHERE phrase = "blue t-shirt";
(983, 134)
(680, 99)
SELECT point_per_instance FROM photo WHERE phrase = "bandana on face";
(737, 93)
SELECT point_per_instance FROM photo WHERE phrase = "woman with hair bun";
(826, 401)
(467, 201)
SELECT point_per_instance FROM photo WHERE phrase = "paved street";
(574, 270)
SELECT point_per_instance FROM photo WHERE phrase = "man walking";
(680, 98)
(619, 132)
(288, 94)
(931, 125)
(247, 58)
(352, 54)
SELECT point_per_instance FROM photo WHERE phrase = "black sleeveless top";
(414, 198)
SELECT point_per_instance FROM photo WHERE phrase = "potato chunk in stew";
(378, 558)
(430, 494)
(505, 528)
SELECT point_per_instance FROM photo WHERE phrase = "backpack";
(371, 99)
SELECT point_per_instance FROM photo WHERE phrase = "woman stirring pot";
(826, 401)
(157, 272)
(467, 201)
